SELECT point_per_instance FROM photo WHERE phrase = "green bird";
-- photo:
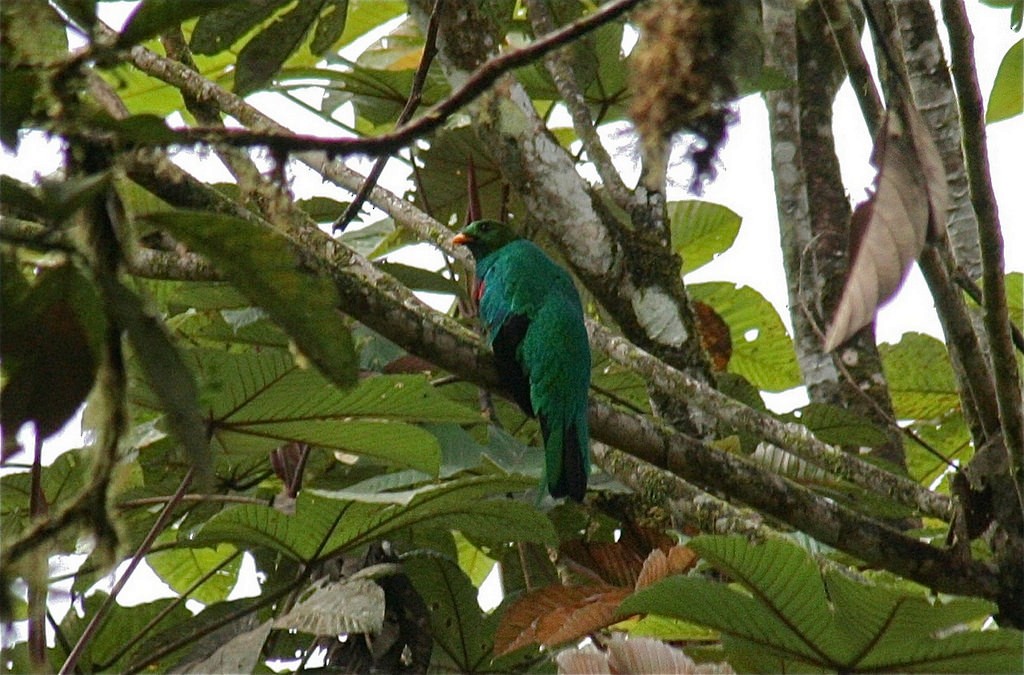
(534, 323)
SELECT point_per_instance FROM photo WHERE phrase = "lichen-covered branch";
(996, 317)
(792, 438)
(560, 65)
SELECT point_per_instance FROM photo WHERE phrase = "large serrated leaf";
(840, 426)
(797, 618)
(326, 523)
(786, 580)
(894, 632)
(920, 378)
(456, 619)
(701, 230)
(256, 401)
(264, 266)
(762, 350)
(181, 568)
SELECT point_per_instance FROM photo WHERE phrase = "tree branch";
(484, 76)
(792, 438)
(996, 318)
(560, 65)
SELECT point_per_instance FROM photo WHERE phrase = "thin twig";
(411, 104)
(226, 499)
(37, 586)
(847, 39)
(96, 622)
(478, 82)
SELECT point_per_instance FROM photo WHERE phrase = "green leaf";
(474, 562)
(264, 266)
(264, 55)
(701, 230)
(352, 605)
(16, 98)
(20, 197)
(183, 567)
(1007, 97)
(168, 377)
(442, 176)
(60, 481)
(793, 617)
(1015, 298)
(419, 279)
(153, 17)
(50, 343)
(327, 523)
(105, 652)
(762, 350)
(329, 26)
(840, 426)
(949, 436)
(920, 378)
(218, 30)
(34, 34)
(456, 621)
(256, 401)
(378, 95)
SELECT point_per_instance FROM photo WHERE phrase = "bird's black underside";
(512, 375)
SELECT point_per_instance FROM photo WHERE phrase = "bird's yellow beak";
(461, 239)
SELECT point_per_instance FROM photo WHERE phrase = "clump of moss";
(681, 82)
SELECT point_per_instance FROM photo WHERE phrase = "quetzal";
(534, 323)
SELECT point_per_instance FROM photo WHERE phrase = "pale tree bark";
(814, 216)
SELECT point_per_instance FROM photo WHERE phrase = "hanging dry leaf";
(889, 229)
(714, 335)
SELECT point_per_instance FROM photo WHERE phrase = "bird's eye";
(485, 226)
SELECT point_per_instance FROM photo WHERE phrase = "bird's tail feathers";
(566, 460)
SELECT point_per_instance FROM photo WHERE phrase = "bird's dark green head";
(483, 237)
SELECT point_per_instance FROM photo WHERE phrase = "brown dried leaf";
(574, 622)
(616, 564)
(714, 335)
(659, 565)
(557, 614)
(518, 626)
(889, 229)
